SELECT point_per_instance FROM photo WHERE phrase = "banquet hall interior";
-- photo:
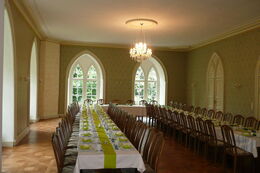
(149, 86)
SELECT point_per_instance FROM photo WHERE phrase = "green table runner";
(109, 152)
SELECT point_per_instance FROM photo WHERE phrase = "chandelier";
(140, 51)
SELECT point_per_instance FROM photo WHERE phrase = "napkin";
(126, 146)
(86, 140)
(84, 147)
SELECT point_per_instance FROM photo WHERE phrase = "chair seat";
(68, 169)
(240, 152)
(218, 144)
(71, 152)
(70, 160)
(148, 169)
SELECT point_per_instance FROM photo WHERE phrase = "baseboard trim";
(34, 121)
(45, 117)
(8, 144)
(22, 135)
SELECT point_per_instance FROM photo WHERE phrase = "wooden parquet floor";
(35, 155)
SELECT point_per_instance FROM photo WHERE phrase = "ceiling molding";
(22, 9)
(123, 46)
(36, 25)
(236, 31)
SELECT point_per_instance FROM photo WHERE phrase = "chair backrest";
(140, 135)
(153, 102)
(201, 126)
(229, 139)
(150, 138)
(58, 155)
(88, 101)
(238, 119)
(143, 102)
(228, 117)
(192, 124)
(100, 101)
(156, 150)
(211, 113)
(197, 110)
(251, 122)
(211, 131)
(219, 115)
(203, 111)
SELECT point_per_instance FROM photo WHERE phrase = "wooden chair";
(153, 102)
(197, 110)
(185, 130)
(219, 115)
(88, 101)
(156, 148)
(238, 119)
(211, 113)
(251, 122)
(64, 165)
(228, 117)
(193, 131)
(203, 135)
(143, 102)
(212, 140)
(100, 101)
(203, 111)
(232, 150)
(150, 138)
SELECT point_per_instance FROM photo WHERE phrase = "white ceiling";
(181, 22)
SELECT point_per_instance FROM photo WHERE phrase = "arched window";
(92, 83)
(139, 85)
(77, 84)
(215, 83)
(85, 80)
(149, 82)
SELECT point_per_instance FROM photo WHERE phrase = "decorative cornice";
(123, 46)
(28, 18)
(236, 31)
(35, 25)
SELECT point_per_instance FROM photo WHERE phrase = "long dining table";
(135, 110)
(102, 145)
(246, 138)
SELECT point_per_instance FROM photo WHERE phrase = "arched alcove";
(154, 82)
(34, 82)
(215, 83)
(8, 84)
(91, 84)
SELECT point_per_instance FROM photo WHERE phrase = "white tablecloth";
(136, 110)
(247, 143)
(95, 160)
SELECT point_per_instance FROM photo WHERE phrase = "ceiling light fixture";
(140, 51)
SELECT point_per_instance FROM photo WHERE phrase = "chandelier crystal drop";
(140, 52)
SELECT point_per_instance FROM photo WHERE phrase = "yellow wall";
(23, 41)
(119, 67)
(239, 55)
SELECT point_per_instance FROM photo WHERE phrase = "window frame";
(146, 72)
